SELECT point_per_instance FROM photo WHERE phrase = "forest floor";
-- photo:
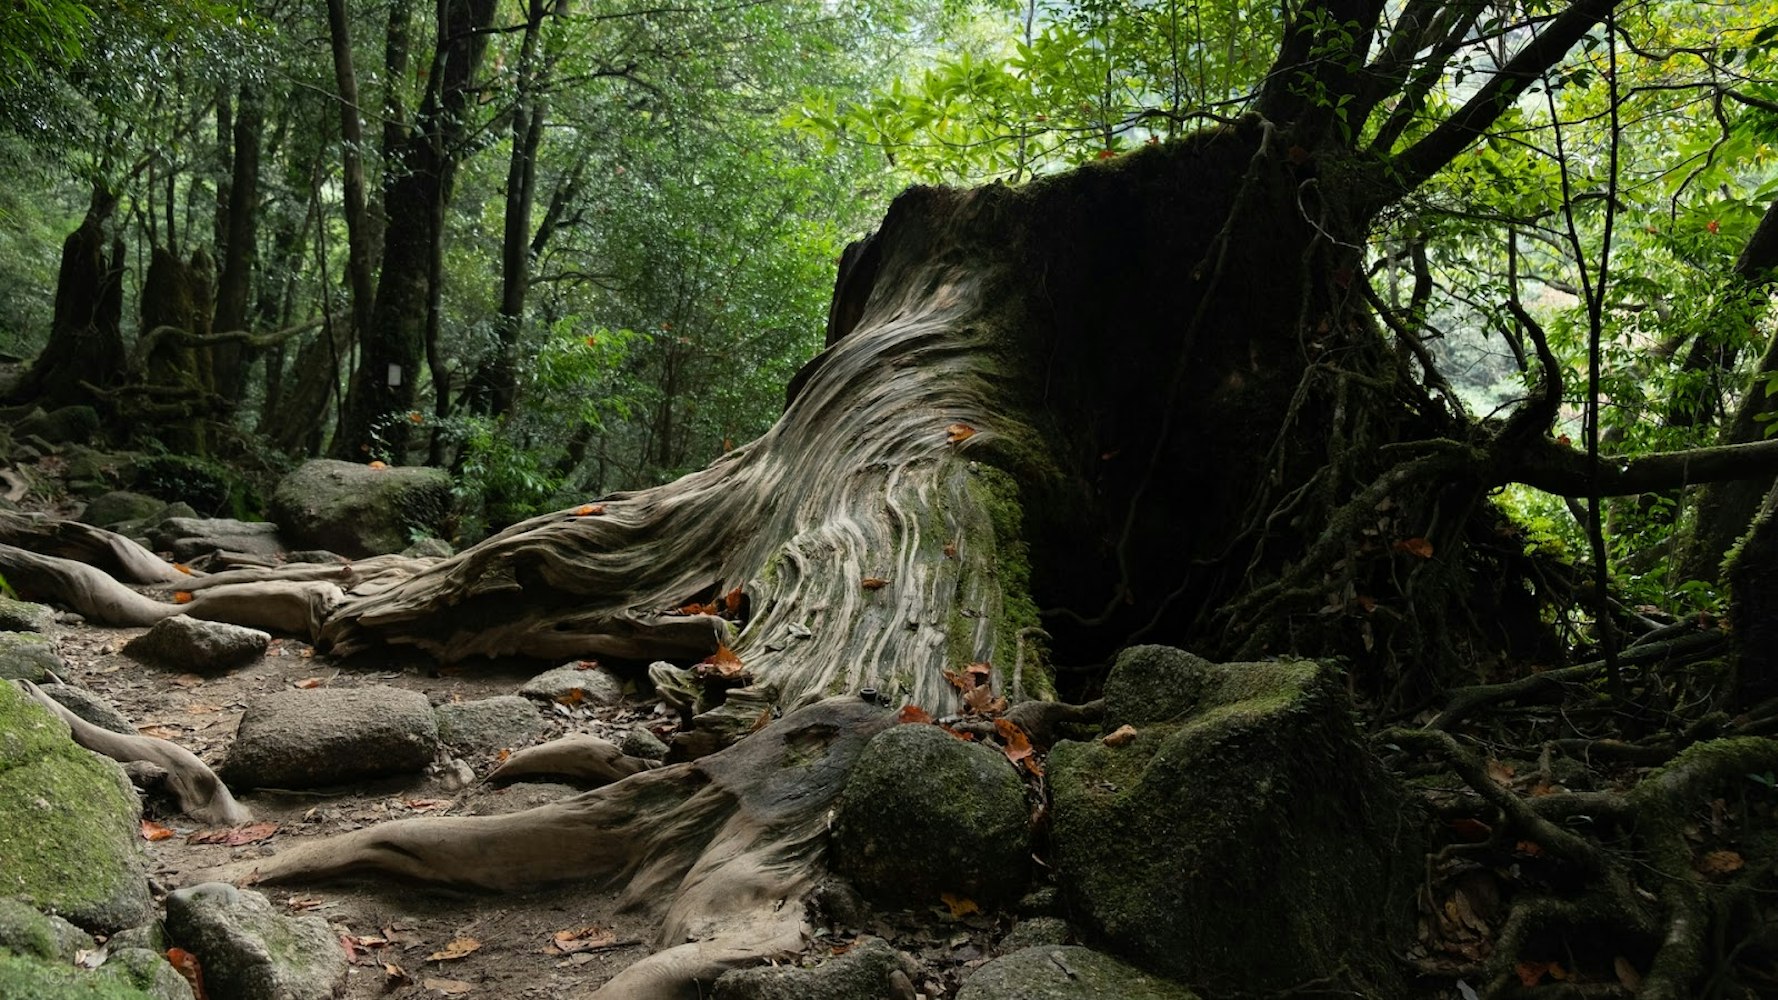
(406, 939)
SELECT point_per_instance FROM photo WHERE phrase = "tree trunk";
(178, 295)
(392, 346)
(85, 341)
(494, 388)
(358, 235)
(234, 285)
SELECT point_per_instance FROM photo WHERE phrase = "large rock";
(28, 656)
(68, 823)
(67, 424)
(119, 506)
(489, 725)
(190, 537)
(1066, 972)
(25, 616)
(191, 644)
(249, 951)
(925, 813)
(1245, 784)
(305, 739)
(359, 511)
(870, 968)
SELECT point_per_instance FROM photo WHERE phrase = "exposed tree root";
(588, 758)
(290, 607)
(87, 590)
(107, 551)
(721, 849)
(1642, 882)
(200, 793)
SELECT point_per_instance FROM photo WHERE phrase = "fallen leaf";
(1121, 736)
(504, 753)
(426, 805)
(1626, 974)
(395, 975)
(181, 597)
(695, 608)
(189, 968)
(1721, 863)
(239, 836)
(981, 700)
(958, 433)
(181, 567)
(1470, 829)
(873, 583)
(586, 664)
(950, 550)
(303, 904)
(152, 831)
(159, 732)
(379, 465)
(1529, 847)
(449, 987)
(1018, 747)
(584, 939)
(1500, 772)
(309, 682)
(980, 670)
(188, 681)
(458, 948)
(1532, 973)
(1415, 547)
(960, 906)
(913, 713)
(589, 510)
(731, 601)
(570, 697)
(725, 664)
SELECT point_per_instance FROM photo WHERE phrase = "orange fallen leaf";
(731, 601)
(181, 597)
(458, 948)
(152, 831)
(1415, 547)
(958, 433)
(1529, 847)
(873, 583)
(571, 697)
(725, 664)
(950, 550)
(1721, 863)
(309, 683)
(1532, 973)
(981, 700)
(1470, 829)
(415, 417)
(960, 906)
(1018, 746)
(189, 969)
(379, 465)
(584, 939)
(914, 714)
(1121, 736)
(589, 510)
(965, 737)
(181, 567)
(586, 664)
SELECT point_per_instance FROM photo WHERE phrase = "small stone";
(597, 685)
(639, 742)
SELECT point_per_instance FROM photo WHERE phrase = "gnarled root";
(588, 758)
(89, 591)
(201, 794)
(731, 842)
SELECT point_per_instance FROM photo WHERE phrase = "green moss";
(997, 494)
(25, 977)
(66, 824)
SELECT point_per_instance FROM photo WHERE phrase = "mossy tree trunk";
(85, 342)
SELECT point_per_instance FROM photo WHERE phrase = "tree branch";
(1554, 468)
(1426, 157)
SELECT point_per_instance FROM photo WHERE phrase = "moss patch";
(67, 825)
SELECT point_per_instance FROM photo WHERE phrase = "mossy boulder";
(27, 656)
(120, 506)
(68, 823)
(359, 511)
(1245, 782)
(63, 425)
(211, 488)
(37, 955)
(1066, 972)
(249, 950)
(924, 813)
(25, 616)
